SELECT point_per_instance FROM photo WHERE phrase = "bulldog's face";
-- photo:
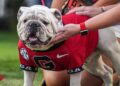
(37, 25)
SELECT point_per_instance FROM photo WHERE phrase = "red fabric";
(82, 26)
(86, 43)
(73, 18)
(77, 48)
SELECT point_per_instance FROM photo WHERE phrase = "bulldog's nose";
(34, 25)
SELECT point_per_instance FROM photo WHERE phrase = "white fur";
(75, 79)
(28, 78)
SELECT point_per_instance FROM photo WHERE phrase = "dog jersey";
(69, 55)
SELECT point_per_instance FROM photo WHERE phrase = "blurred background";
(9, 61)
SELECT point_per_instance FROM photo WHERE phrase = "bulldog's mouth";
(33, 41)
(36, 41)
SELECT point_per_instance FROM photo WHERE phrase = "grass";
(9, 61)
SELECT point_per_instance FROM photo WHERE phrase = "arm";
(95, 9)
(111, 17)
(58, 4)
(108, 18)
(90, 10)
(105, 2)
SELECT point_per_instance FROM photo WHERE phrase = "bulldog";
(37, 25)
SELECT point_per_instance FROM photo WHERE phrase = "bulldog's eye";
(45, 22)
(25, 20)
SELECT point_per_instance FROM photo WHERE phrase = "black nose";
(34, 25)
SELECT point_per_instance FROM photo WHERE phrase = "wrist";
(83, 30)
(77, 26)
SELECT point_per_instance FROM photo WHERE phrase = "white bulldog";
(37, 25)
(32, 18)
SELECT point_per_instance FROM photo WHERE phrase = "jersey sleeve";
(26, 62)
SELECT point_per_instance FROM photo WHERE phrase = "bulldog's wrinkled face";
(37, 25)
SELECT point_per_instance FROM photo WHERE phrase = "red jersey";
(69, 55)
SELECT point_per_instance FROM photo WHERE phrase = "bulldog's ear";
(20, 11)
(56, 13)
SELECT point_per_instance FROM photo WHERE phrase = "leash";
(43, 2)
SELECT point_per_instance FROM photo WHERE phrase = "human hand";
(86, 10)
(66, 32)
